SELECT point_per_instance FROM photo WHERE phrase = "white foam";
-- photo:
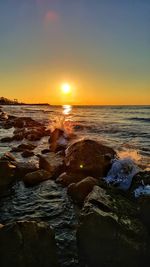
(122, 173)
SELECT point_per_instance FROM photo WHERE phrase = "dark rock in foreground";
(89, 157)
(27, 243)
(110, 233)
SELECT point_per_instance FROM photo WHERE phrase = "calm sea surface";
(125, 128)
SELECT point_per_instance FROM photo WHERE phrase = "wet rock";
(66, 178)
(22, 168)
(23, 147)
(6, 139)
(110, 234)
(27, 243)
(34, 178)
(3, 116)
(47, 132)
(33, 137)
(45, 151)
(27, 153)
(51, 163)
(7, 175)
(7, 124)
(18, 137)
(89, 157)
(80, 191)
(25, 122)
(8, 156)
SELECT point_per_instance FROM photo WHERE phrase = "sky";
(100, 47)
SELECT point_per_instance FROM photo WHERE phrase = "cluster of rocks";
(113, 226)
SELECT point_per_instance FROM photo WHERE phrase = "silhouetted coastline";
(15, 102)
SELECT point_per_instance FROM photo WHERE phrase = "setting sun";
(66, 88)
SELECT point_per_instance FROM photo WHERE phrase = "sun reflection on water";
(67, 109)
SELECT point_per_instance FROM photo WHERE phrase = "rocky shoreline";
(113, 226)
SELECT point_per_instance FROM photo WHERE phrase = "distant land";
(6, 101)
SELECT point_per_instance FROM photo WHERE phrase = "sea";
(124, 128)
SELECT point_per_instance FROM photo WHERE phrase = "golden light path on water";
(67, 109)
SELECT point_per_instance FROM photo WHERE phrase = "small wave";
(140, 119)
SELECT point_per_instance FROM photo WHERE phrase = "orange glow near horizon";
(80, 92)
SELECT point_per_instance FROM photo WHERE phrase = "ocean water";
(125, 128)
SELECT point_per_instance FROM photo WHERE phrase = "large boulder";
(7, 175)
(110, 233)
(33, 178)
(80, 190)
(27, 243)
(89, 157)
(52, 163)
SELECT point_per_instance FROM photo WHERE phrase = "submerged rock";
(27, 243)
(89, 157)
(27, 153)
(23, 147)
(80, 190)
(51, 163)
(33, 178)
(110, 233)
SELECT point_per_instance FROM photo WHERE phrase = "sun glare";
(66, 88)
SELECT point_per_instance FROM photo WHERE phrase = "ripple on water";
(47, 202)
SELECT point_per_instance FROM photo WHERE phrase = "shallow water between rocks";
(46, 202)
